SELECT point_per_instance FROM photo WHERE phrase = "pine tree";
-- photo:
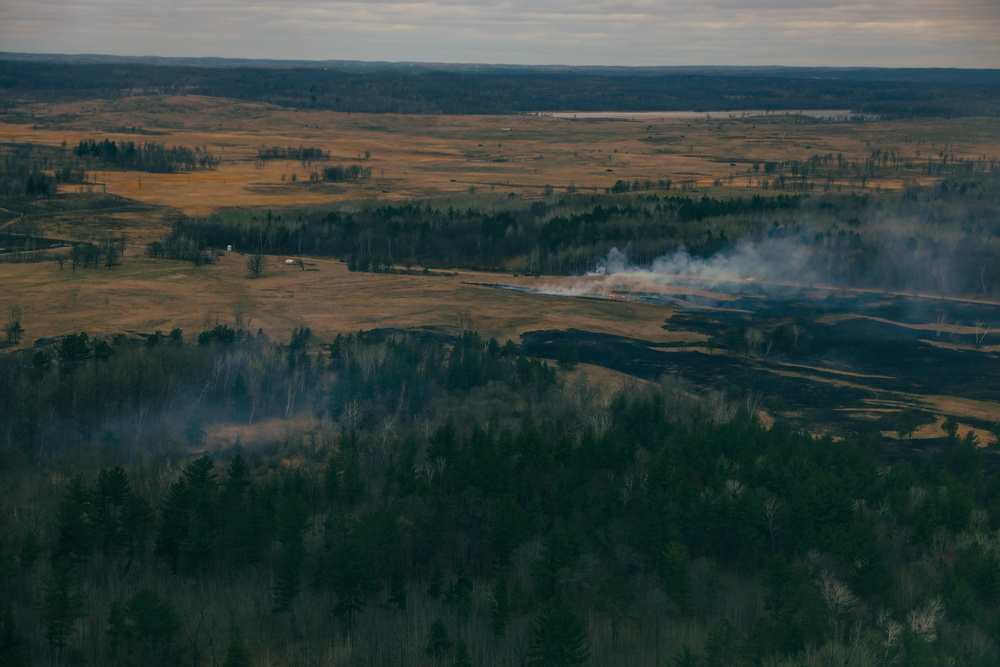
(111, 493)
(560, 638)
(331, 479)
(63, 602)
(118, 632)
(175, 523)
(239, 476)
(685, 657)
(293, 516)
(31, 547)
(436, 583)
(74, 530)
(438, 641)
(462, 658)
(397, 587)
(152, 628)
(287, 579)
(347, 572)
(238, 653)
(499, 606)
(13, 647)
(723, 645)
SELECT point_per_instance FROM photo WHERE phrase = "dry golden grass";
(423, 156)
(145, 295)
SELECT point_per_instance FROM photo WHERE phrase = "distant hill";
(382, 87)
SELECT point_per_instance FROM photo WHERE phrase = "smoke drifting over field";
(768, 261)
(894, 255)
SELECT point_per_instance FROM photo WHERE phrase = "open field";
(144, 295)
(415, 156)
(421, 157)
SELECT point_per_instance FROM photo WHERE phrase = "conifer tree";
(499, 606)
(462, 658)
(152, 628)
(438, 641)
(13, 647)
(63, 602)
(292, 518)
(238, 653)
(560, 638)
(74, 530)
(174, 523)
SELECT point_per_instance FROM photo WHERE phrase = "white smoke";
(771, 261)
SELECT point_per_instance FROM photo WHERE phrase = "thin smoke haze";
(770, 260)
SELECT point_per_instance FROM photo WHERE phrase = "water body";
(824, 114)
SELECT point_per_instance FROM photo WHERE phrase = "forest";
(460, 89)
(453, 502)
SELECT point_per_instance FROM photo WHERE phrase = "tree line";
(149, 156)
(929, 239)
(303, 153)
(562, 236)
(461, 89)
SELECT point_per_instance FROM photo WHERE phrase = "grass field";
(423, 156)
(144, 295)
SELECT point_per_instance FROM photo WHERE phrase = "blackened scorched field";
(842, 361)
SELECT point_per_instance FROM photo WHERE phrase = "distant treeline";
(304, 153)
(150, 156)
(568, 236)
(352, 172)
(948, 243)
(457, 89)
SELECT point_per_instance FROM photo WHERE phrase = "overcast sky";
(889, 33)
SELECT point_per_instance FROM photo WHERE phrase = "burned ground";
(858, 358)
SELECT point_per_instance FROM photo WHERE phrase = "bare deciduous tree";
(923, 621)
(256, 263)
(771, 514)
(839, 600)
(13, 327)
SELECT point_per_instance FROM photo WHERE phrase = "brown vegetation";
(420, 156)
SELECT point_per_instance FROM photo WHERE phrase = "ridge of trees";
(389, 88)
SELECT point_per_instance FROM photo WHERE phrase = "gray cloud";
(613, 32)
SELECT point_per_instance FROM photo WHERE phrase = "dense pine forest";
(448, 501)
(497, 89)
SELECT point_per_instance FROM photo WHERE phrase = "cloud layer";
(894, 33)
